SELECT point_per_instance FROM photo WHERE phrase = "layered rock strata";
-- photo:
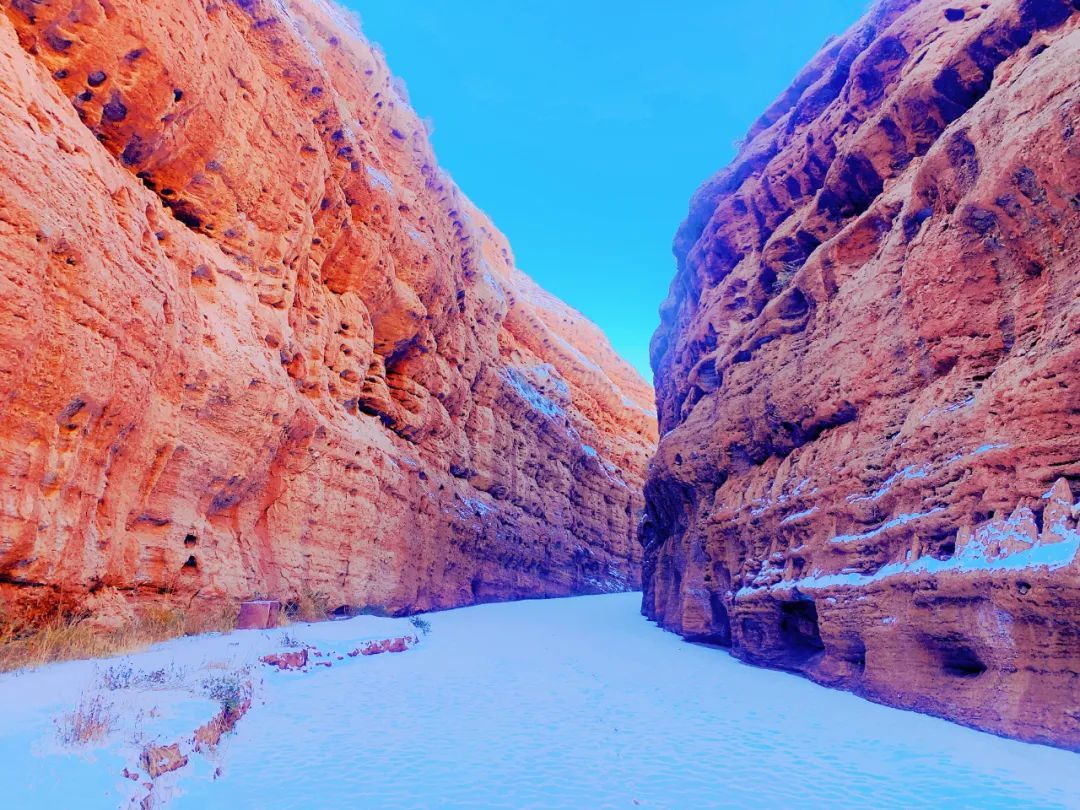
(868, 375)
(254, 343)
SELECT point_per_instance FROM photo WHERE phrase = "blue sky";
(582, 127)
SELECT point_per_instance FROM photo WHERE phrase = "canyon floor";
(575, 702)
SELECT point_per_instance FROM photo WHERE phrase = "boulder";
(161, 759)
(297, 659)
(260, 614)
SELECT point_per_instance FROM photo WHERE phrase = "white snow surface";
(971, 559)
(528, 392)
(568, 703)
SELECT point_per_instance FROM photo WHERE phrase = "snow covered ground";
(562, 703)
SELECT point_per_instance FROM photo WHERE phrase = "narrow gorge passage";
(312, 496)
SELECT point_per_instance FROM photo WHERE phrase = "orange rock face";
(254, 343)
(868, 375)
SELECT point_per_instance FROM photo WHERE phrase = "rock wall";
(868, 375)
(254, 342)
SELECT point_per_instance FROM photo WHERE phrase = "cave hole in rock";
(793, 305)
(1038, 515)
(190, 564)
(855, 654)
(800, 632)
(709, 377)
(941, 543)
(957, 658)
(190, 540)
(768, 278)
(475, 586)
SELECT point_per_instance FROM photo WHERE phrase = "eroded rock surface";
(868, 375)
(253, 343)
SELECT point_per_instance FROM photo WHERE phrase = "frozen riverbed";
(561, 703)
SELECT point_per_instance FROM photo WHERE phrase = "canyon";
(255, 343)
(867, 375)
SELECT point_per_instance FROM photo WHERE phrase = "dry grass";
(91, 720)
(61, 635)
(309, 606)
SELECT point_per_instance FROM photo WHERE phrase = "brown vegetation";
(91, 720)
(57, 633)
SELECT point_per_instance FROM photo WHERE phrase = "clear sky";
(582, 127)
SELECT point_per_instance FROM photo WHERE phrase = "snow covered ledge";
(986, 633)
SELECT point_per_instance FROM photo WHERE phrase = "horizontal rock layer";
(253, 342)
(872, 347)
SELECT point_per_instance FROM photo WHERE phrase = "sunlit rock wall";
(254, 342)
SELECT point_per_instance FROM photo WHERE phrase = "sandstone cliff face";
(868, 375)
(252, 341)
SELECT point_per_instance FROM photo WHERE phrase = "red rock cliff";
(868, 375)
(253, 341)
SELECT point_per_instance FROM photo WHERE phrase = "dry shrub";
(211, 617)
(91, 720)
(309, 606)
(38, 636)
(160, 621)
